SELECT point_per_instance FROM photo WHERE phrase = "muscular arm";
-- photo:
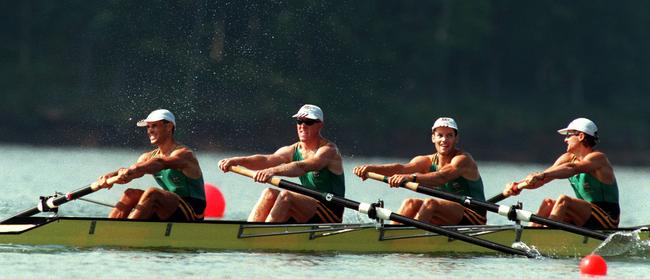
(258, 161)
(181, 159)
(419, 164)
(565, 167)
(323, 157)
(589, 164)
(461, 165)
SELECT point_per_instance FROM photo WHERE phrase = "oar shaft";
(499, 197)
(503, 210)
(90, 201)
(55, 202)
(383, 213)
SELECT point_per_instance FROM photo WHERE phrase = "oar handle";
(502, 196)
(251, 173)
(379, 177)
(110, 181)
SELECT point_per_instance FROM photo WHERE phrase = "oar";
(382, 213)
(54, 202)
(90, 201)
(501, 196)
(510, 212)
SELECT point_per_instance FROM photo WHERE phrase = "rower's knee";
(150, 193)
(429, 204)
(284, 197)
(562, 201)
(410, 204)
(548, 202)
(269, 195)
(131, 195)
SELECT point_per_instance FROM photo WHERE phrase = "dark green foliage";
(511, 72)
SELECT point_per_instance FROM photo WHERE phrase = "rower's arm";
(418, 164)
(563, 167)
(180, 159)
(258, 161)
(589, 164)
(323, 157)
(459, 166)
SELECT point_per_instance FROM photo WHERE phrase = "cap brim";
(309, 116)
(142, 123)
(563, 131)
(444, 126)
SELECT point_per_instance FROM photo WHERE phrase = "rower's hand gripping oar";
(381, 213)
(52, 203)
(508, 211)
(502, 196)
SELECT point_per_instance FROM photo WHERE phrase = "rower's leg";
(544, 210)
(127, 202)
(571, 210)
(292, 205)
(409, 208)
(440, 212)
(155, 201)
(264, 205)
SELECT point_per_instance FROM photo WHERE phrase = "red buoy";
(593, 265)
(215, 202)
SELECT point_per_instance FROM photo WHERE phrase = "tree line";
(510, 72)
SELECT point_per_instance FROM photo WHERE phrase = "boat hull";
(243, 236)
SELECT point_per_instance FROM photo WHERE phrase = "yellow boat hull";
(243, 236)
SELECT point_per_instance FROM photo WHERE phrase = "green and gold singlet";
(460, 186)
(190, 190)
(322, 180)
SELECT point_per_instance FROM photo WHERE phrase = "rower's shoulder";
(597, 156)
(464, 156)
(328, 145)
(147, 155)
(329, 148)
(183, 151)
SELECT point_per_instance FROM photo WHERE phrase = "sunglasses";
(570, 134)
(307, 122)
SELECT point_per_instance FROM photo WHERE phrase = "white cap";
(157, 115)
(311, 112)
(582, 125)
(445, 122)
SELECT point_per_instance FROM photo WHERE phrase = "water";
(28, 172)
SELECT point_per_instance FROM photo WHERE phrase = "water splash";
(625, 244)
(531, 250)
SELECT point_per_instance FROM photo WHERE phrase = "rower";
(449, 169)
(591, 176)
(175, 169)
(314, 159)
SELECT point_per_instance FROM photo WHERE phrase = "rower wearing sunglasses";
(591, 176)
(314, 159)
(449, 169)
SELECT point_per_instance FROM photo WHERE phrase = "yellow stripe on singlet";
(187, 211)
(473, 217)
(326, 214)
(603, 218)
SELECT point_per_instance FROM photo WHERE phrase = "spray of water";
(625, 244)
(532, 250)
